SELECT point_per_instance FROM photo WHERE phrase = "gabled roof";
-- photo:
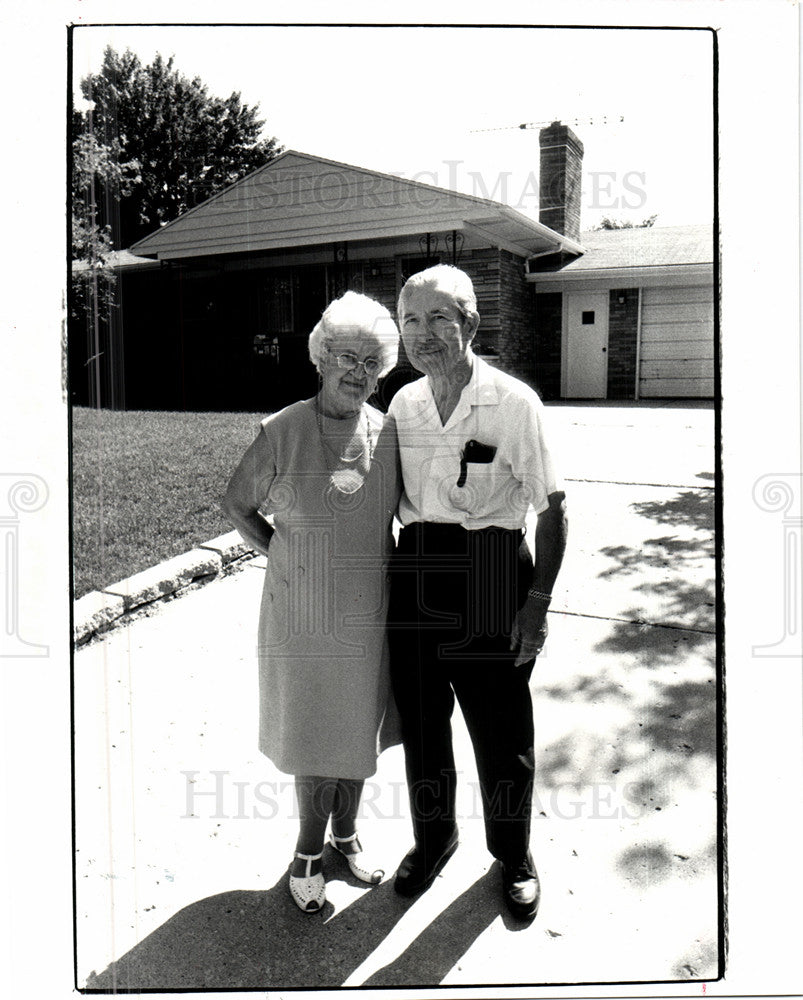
(298, 199)
(644, 247)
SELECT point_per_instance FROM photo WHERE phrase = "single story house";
(630, 318)
(216, 306)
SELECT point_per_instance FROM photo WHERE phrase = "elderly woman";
(324, 471)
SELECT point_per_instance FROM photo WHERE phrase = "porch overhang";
(611, 277)
(520, 236)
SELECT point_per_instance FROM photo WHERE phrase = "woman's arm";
(247, 490)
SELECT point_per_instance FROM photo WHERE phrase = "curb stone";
(95, 612)
(100, 611)
(230, 546)
(158, 581)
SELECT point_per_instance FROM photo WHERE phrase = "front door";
(587, 345)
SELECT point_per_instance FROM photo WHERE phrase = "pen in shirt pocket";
(476, 452)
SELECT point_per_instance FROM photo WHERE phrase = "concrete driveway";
(185, 833)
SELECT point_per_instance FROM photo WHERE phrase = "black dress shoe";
(417, 873)
(521, 888)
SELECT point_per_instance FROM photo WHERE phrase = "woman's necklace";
(361, 440)
(349, 453)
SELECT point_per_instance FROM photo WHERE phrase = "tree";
(94, 168)
(186, 143)
(626, 224)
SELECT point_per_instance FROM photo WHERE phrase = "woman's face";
(350, 369)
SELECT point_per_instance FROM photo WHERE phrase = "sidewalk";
(185, 833)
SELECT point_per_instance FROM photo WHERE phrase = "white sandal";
(374, 877)
(309, 891)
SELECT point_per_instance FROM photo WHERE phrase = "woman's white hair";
(353, 315)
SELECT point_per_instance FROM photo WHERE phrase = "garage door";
(677, 342)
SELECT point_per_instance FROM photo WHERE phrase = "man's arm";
(530, 628)
(551, 532)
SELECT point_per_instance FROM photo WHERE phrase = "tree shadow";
(256, 939)
(645, 864)
(666, 728)
(687, 615)
(692, 508)
(684, 601)
(684, 718)
(652, 695)
(591, 687)
(667, 550)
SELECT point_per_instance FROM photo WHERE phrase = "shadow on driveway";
(680, 599)
(657, 681)
(253, 939)
(428, 959)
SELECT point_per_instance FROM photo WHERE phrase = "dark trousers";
(454, 594)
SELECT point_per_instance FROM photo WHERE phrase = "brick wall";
(622, 333)
(482, 266)
(548, 326)
(560, 180)
(516, 342)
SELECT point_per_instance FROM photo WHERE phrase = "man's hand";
(529, 630)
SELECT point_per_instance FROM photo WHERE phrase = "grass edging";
(100, 611)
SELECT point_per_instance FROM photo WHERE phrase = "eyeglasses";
(350, 361)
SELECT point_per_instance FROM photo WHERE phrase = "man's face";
(435, 333)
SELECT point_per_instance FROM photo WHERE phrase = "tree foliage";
(95, 168)
(173, 144)
(626, 224)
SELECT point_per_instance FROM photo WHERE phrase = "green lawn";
(147, 486)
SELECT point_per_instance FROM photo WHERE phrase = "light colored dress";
(324, 690)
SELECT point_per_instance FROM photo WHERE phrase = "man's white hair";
(355, 315)
(448, 279)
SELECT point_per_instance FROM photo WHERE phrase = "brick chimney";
(560, 182)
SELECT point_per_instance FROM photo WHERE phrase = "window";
(588, 317)
(276, 310)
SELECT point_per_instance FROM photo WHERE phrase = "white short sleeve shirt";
(499, 421)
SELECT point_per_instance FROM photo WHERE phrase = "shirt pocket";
(479, 485)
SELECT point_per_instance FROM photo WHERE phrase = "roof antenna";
(603, 120)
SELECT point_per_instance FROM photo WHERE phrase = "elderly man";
(468, 606)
